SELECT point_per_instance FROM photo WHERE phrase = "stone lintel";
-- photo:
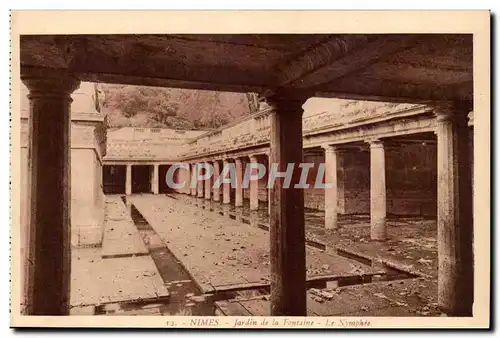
(456, 110)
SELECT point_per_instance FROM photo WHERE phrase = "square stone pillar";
(48, 267)
(340, 182)
(193, 183)
(154, 180)
(128, 180)
(455, 217)
(287, 232)
(378, 200)
(216, 190)
(331, 201)
(254, 185)
(208, 186)
(268, 189)
(226, 187)
(87, 213)
(238, 198)
(187, 179)
(200, 184)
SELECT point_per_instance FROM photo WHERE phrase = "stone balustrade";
(254, 130)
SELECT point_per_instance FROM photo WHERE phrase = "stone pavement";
(97, 281)
(413, 297)
(411, 245)
(121, 238)
(114, 273)
(411, 248)
(222, 254)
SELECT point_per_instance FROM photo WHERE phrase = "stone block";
(86, 236)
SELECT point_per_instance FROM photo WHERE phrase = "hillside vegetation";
(141, 106)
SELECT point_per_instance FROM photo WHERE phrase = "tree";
(171, 107)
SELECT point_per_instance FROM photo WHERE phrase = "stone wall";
(411, 179)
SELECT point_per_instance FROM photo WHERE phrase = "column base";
(378, 239)
(331, 224)
(378, 229)
(85, 236)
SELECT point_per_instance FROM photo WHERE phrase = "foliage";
(141, 106)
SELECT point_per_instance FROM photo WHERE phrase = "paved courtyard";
(180, 255)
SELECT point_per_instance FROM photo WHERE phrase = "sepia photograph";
(250, 169)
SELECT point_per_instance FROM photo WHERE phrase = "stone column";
(200, 183)
(455, 217)
(193, 183)
(287, 233)
(208, 186)
(128, 180)
(238, 197)
(331, 201)
(154, 180)
(340, 182)
(378, 230)
(226, 187)
(268, 189)
(254, 186)
(187, 176)
(216, 190)
(48, 268)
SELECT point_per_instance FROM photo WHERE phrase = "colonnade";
(207, 188)
(454, 200)
(154, 179)
(334, 189)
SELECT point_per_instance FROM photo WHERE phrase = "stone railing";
(254, 130)
(248, 132)
(143, 150)
(153, 144)
(353, 113)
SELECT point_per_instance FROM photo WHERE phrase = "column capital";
(43, 82)
(329, 148)
(288, 100)
(253, 158)
(375, 143)
(471, 117)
